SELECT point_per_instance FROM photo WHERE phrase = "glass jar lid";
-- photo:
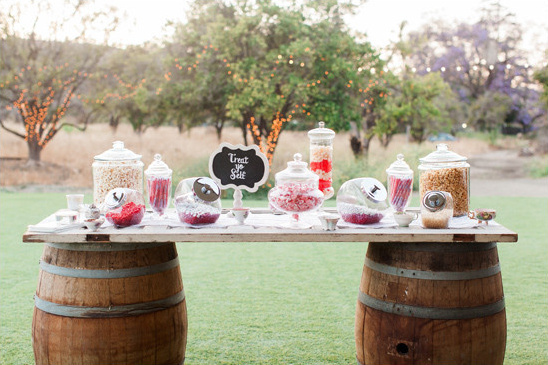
(434, 201)
(442, 154)
(399, 167)
(374, 190)
(115, 198)
(296, 170)
(118, 153)
(158, 167)
(206, 189)
(321, 132)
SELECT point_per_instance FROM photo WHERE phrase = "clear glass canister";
(158, 176)
(198, 201)
(400, 184)
(444, 170)
(124, 207)
(436, 209)
(296, 189)
(362, 201)
(116, 168)
(321, 157)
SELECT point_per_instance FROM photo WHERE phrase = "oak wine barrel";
(431, 303)
(104, 303)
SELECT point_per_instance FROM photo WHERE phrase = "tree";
(40, 73)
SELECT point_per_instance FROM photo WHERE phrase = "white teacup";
(240, 214)
(74, 201)
(405, 218)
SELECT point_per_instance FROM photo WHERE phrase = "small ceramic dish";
(329, 221)
(94, 224)
(482, 215)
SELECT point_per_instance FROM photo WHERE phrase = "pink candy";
(295, 197)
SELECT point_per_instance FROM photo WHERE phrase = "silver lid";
(115, 198)
(206, 189)
(374, 190)
(434, 201)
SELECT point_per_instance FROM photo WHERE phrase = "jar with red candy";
(197, 201)
(158, 176)
(124, 207)
(321, 157)
(400, 184)
(296, 191)
(362, 201)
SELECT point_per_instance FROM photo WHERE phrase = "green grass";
(279, 303)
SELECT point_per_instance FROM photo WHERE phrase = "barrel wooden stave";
(157, 336)
(390, 337)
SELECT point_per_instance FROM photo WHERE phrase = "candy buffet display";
(436, 209)
(197, 201)
(116, 168)
(321, 157)
(444, 170)
(400, 184)
(124, 207)
(362, 201)
(296, 190)
(158, 176)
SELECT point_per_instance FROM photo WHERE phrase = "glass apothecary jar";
(321, 157)
(400, 184)
(116, 168)
(198, 201)
(296, 191)
(124, 207)
(362, 201)
(436, 209)
(444, 170)
(158, 176)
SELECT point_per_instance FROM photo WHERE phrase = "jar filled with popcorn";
(444, 170)
(116, 168)
(321, 157)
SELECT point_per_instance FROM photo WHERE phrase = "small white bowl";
(94, 224)
(329, 221)
(404, 219)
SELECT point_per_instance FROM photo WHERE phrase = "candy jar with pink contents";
(321, 157)
(362, 201)
(197, 201)
(124, 207)
(158, 176)
(400, 184)
(296, 191)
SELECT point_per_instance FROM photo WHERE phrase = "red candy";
(193, 218)
(295, 198)
(324, 165)
(129, 215)
(361, 218)
(158, 193)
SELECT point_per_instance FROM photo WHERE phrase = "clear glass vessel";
(400, 184)
(296, 191)
(444, 170)
(124, 207)
(436, 209)
(158, 176)
(321, 157)
(362, 201)
(116, 168)
(198, 201)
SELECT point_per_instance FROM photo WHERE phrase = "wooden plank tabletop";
(246, 233)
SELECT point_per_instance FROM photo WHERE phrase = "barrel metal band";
(108, 312)
(429, 312)
(443, 247)
(109, 274)
(106, 247)
(432, 275)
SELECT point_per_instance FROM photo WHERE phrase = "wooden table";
(426, 296)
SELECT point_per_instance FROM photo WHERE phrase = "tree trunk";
(35, 151)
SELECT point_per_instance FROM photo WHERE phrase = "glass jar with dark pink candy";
(400, 184)
(197, 201)
(362, 201)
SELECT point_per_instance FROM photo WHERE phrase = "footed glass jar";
(400, 184)
(197, 201)
(362, 201)
(116, 168)
(321, 157)
(158, 177)
(444, 170)
(124, 207)
(296, 191)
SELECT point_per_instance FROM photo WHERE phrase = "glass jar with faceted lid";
(444, 170)
(436, 209)
(198, 201)
(400, 184)
(362, 201)
(158, 176)
(124, 207)
(116, 168)
(321, 157)
(296, 191)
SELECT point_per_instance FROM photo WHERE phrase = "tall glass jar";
(400, 184)
(444, 170)
(321, 157)
(158, 176)
(116, 168)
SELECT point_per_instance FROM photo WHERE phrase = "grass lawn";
(279, 303)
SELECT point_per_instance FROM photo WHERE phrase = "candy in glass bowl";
(197, 201)
(400, 184)
(362, 201)
(124, 207)
(158, 176)
(296, 191)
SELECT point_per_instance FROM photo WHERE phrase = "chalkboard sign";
(239, 167)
